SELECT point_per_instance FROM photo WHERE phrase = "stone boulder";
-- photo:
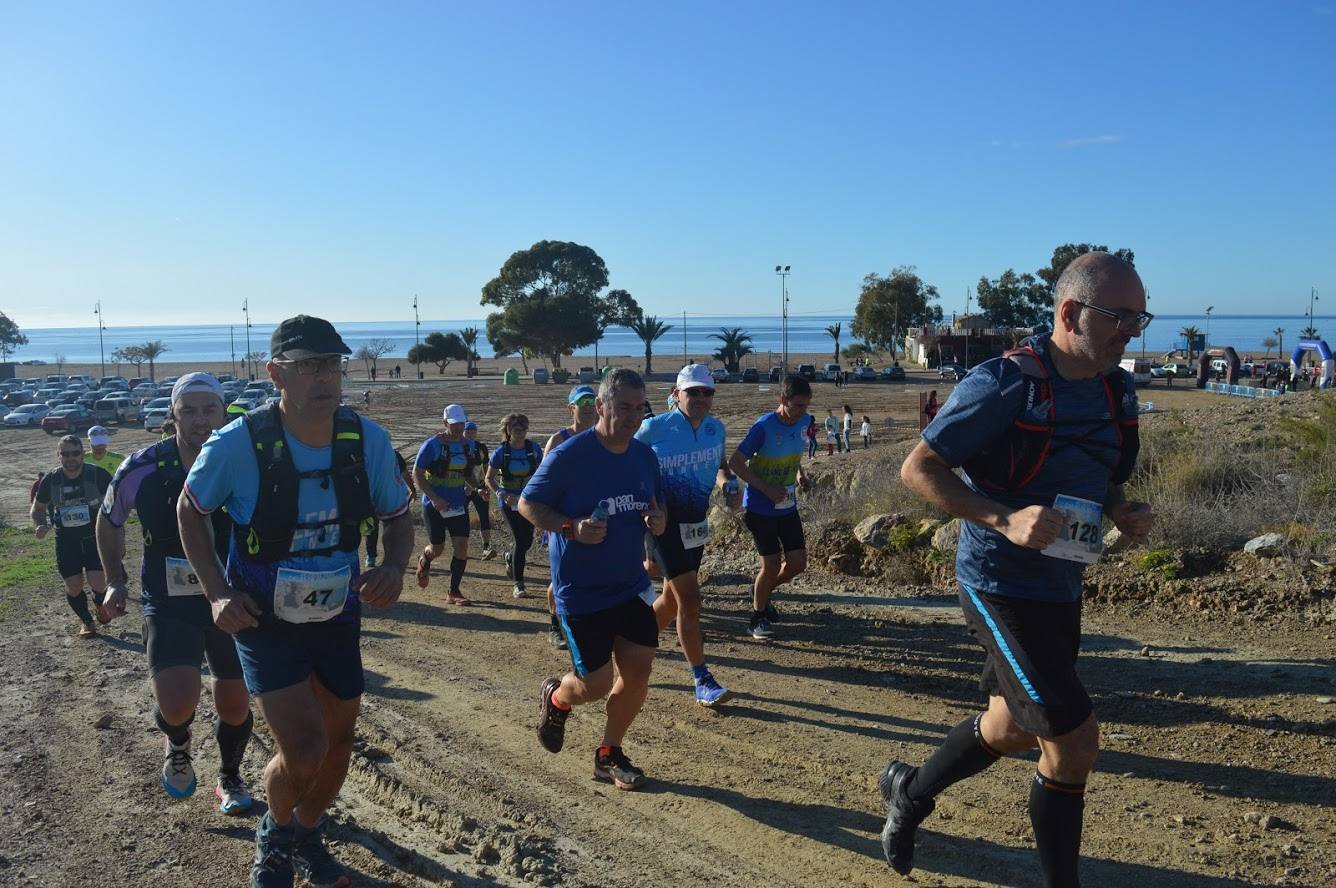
(1268, 545)
(947, 537)
(875, 530)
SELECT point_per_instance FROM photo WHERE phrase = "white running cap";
(196, 382)
(694, 376)
(453, 414)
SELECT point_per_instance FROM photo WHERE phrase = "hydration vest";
(1013, 460)
(531, 451)
(268, 536)
(156, 506)
(440, 466)
(63, 495)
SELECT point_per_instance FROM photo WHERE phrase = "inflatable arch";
(1204, 365)
(1323, 351)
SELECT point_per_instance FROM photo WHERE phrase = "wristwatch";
(568, 529)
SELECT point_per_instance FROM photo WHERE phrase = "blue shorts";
(279, 654)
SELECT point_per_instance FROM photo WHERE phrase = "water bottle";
(731, 488)
(600, 512)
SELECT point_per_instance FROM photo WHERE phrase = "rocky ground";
(1219, 719)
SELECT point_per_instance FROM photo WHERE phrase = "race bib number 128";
(1081, 538)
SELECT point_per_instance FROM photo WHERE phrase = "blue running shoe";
(272, 864)
(178, 771)
(313, 861)
(233, 796)
(709, 693)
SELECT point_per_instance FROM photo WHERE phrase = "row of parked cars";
(73, 404)
(829, 373)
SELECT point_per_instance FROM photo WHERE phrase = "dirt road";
(1217, 769)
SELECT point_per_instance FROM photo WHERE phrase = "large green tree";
(1190, 333)
(834, 331)
(549, 300)
(1063, 256)
(735, 346)
(10, 336)
(650, 330)
(439, 349)
(892, 304)
(1015, 300)
(617, 309)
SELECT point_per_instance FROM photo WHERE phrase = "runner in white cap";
(446, 473)
(98, 454)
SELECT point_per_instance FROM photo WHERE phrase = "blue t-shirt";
(448, 481)
(688, 460)
(515, 465)
(1083, 452)
(576, 478)
(226, 473)
(774, 450)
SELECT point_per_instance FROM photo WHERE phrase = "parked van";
(1139, 369)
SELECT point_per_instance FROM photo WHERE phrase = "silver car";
(27, 415)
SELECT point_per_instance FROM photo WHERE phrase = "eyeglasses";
(699, 392)
(585, 401)
(312, 366)
(1132, 322)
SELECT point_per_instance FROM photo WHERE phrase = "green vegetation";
(1161, 560)
(27, 566)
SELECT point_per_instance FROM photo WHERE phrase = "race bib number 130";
(1082, 538)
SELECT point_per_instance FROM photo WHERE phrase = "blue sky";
(337, 158)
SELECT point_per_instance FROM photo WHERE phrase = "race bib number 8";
(307, 596)
(694, 535)
(181, 580)
(1081, 539)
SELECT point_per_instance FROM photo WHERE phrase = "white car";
(27, 415)
(155, 413)
(719, 374)
(831, 372)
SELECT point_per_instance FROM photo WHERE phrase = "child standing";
(866, 431)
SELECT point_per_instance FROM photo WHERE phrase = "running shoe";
(551, 719)
(458, 599)
(517, 591)
(312, 860)
(510, 566)
(759, 627)
(770, 613)
(423, 572)
(617, 769)
(370, 561)
(709, 693)
(87, 630)
(903, 816)
(178, 770)
(233, 796)
(272, 865)
(555, 638)
(488, 553)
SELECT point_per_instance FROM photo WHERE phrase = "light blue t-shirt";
(515, 465)
(576, 478)
(1082, 455)
(688, 460)
(449, 482)
(226, 473)
(774, 450)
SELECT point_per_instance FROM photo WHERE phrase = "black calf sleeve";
(457, 572)
(178, 734)
(232, 740)
(962, 754)
(79, 604)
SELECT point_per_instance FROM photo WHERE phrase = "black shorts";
(776, 533)
(171, 641)
(76, 554)
(591, 636)
(278, 655)
(672, 557)
(1031, 648)
(438, 525)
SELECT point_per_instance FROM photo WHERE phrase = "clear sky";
(171, 159)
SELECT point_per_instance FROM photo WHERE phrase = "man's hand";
(512, 501)
(1033, 527)
(804, 483)
(41, 530)
(656, 519)
(114, 601)
(774, 493)
(590, 532)
(439, 504)
(381, 586)
(235, 612)
(1133, 519)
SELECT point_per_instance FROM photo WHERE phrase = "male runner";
(446, 474)
(99, 437)
(689, 443)
(300, 478)
(769, 459)
(598, 492)
(178, 623)
(478, 498)
(1046, 436)
(580, 402)
(68, 498)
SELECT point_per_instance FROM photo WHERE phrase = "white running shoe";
(488, 553)
(233, 796)
(517, 591)
(178, 771)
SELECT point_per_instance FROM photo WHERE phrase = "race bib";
(181, 579)
(311, 596)
(694, 535)
(452, 512)
(790, 499)
(1081, 539)
(74, 516)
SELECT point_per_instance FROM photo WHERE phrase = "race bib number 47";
(1081, 539)
(308, 596)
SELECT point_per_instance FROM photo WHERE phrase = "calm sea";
(806, 335)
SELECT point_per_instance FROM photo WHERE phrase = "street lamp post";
(783, 272)
(1312, 297)
(417, 334)
(245, 309)
(1209, 309)
(232, 341)
(101, 356)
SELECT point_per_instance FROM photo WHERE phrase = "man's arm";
(111, 550)
(38, 515)
(928, 475)
(382, 586)
(232, 610)
(586, 530)
(1132, 518)
(739, 463)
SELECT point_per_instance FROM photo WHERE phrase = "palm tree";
(1280, 338)
(735, 347)
(649, 329)
(151, 351)
(1309, 333)
(833, 331)
(1191, 334)
(470, 337)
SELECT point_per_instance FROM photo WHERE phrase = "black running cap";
(306, 337)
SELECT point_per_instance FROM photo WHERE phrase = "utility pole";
(684, 339)
(417, 334)
(232, 340)
(245, 308)
(966, 319)
(1312, 297)
(102, 358)
(783, 272)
